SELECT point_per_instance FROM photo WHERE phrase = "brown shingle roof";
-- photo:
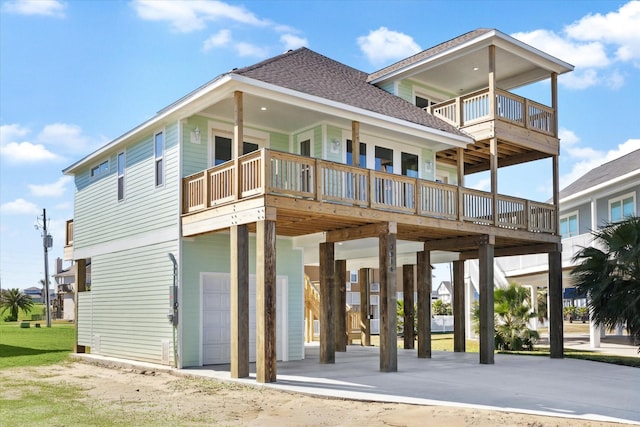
(420, 56)
(309, 72)
(608, 171)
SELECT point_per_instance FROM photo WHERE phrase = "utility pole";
(47, 242)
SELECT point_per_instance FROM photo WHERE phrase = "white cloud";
(483, 184)
(589, 158)
(53, 8)
(621, 29)
(10, 133)
(26, 152)
(55, 189)
(248, 49)
(221, 38)
(567, 137)
(187, 16)
(291, 41)
(383, 45)
(65, 135)
(19, 207)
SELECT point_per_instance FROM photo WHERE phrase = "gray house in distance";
(198, 222)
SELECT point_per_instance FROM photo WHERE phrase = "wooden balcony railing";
(475, 107)
(272, 172)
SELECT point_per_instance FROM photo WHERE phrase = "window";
(121, 176)
(409, 165)
(363, 153)
(423, 102)
(100, 170)
(222, 149)
(305, 148)
(159, 155)
(384, 159)
(569, 225)
(622, 207)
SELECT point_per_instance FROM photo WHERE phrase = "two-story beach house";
(198, 222)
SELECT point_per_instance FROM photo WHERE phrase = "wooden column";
(340, 304)
(239, 301)
(460, 183)
(424, 304)
(459, 314)
(266, 367)
(355, 143)
(364, 282)
(487, 337)
(327, 283)
(409, 315)
(238, 140)
(556, 333)
(554, 102)
(80, 286)
(493, 164)
(492, 82)
(388, 303)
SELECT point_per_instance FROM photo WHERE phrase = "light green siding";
(279, 141)
(125, 313)
(210, 253)
(100, 218)
(405, 91)
(427, 155)
(334, 134)
(195, 156)
(389, 87)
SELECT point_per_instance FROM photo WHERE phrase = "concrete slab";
(567, 388)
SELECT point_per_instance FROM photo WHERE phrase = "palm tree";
(14, 300)
(513, 311)
(610, 277)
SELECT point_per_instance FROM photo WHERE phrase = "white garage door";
(216, 318)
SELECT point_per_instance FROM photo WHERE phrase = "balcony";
(339, 195)
(525, 130)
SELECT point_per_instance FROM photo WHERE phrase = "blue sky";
(76, 74)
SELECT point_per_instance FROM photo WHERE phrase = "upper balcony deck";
(308, 195)
(526, 130)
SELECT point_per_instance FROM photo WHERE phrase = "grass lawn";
(34, 346)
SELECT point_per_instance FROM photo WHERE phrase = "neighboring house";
(35, 293)
(297, 161)
(608, 193)
(64, 305)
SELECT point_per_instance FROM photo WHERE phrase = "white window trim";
(124, 173)
(163, 158)
(422, 93)
(304, 136)
(253, 136)
(620, 199)
(569, 215)
(97, 165)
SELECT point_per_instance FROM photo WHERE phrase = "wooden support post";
(327, 325)
(388, 303)
(239, 301)
(80, 286)
(459, 314)
(364, 281)
(355, 143)
(409, 315)
(340, 304)
(266, 367)
(424, 304)
(554, 102)
(556, 333)
(238, 141)
(487, 337)
(493, 164)
(492, 82)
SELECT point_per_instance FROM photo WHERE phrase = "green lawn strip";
(34, 346)
(584, 355)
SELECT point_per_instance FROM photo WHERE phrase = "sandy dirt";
(193, 401)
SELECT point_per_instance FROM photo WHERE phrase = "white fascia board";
(151, 123)
(586, 195)
(260, 88)
(503, 40)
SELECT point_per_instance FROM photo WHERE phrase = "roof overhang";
(222, 89)
(464, 67)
